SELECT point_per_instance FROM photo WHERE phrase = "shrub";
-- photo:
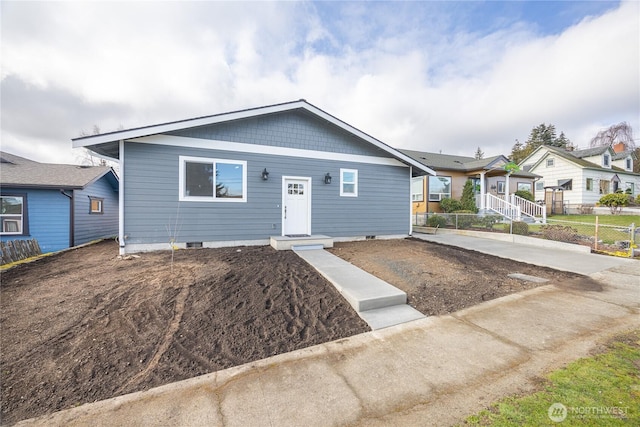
(560, 233)
(517, 227)
(488, 221)
(450, 205)
(525, 195)
(464, 219)
(435, 220)
(615, 201)
(638, 199)
(468, 199)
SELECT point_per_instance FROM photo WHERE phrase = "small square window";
(349, 182)
(539, 185)
(550, 163)
(96, 205)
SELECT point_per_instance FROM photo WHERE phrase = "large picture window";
(213, 180)
(439, 188)
(349, 182)
(417, 189)
(12, 215)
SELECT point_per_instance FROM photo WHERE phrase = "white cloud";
(410, 74)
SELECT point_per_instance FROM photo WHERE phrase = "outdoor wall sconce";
(493, 187)
(265, 174)
(327, 178)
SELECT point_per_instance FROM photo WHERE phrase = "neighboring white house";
(583, 176)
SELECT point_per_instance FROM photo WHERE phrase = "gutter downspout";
(121, 242)
(72, 216)
(410, 201)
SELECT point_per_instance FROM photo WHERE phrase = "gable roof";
(16, 171)
(438, 161)
(107, 144)
(578, 161)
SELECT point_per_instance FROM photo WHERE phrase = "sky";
(447, 77)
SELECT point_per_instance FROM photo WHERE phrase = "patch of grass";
(603, 390)
(622, 220)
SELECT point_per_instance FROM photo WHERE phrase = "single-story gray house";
(240, 178)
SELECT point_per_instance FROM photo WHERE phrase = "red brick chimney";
(618, 148)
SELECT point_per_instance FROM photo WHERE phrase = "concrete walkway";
(429, 372)
(377, 302)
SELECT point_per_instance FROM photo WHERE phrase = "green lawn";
(624, 220)
(603, 390)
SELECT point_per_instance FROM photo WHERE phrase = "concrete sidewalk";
(433, 371)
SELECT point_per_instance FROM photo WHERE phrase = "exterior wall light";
(327, 178)
(265, 174)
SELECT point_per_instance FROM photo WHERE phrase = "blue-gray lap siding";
(153, 211)
(90, 226)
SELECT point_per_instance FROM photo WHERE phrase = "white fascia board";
(204, 121)
(212, 144)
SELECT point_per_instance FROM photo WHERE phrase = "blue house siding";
(153, 208)
(48, 213)
(90, 226)
(290, 130)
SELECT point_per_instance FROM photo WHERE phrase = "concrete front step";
(385, 317)
(284, 243)
(362, 290)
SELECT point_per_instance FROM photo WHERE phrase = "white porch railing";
(530, 209)
(501, 206)
(516, 207)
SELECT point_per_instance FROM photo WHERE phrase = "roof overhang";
(108, 144)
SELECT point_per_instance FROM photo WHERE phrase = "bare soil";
(440, 279)
(82, 325)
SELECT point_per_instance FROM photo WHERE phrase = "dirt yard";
(82, 325)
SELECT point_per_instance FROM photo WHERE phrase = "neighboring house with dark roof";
(58, 205)
(583, 176)
(256, 176)
(452, 172)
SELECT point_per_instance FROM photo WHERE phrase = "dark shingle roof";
(441, 162)
(16, 171)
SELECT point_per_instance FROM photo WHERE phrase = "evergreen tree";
(479, 154)
(468, 199)
(542, 134)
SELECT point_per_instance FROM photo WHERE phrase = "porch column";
(506, 188)
(121, 242)
(482, 192)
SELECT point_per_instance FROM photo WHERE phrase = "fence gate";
(553, 198)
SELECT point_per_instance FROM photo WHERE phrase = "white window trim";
(181, 180)
(342, 182)
(421, 193)
(12, 219)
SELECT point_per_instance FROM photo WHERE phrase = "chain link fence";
(618, 240)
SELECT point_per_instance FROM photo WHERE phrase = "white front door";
(296, 206)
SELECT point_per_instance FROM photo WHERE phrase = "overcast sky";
(430, 76)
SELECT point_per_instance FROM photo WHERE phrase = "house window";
(13, 215)
(96, 205)
(628, 188)
(524, 186)
(628, 163)
(604, 186)
(501, 185)
(566, 184)
(439, 188)
(589, 184)
(417, 189)
(206, 180)
(550, 163)
(349, 182)
(539, 185)
(605, 160)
